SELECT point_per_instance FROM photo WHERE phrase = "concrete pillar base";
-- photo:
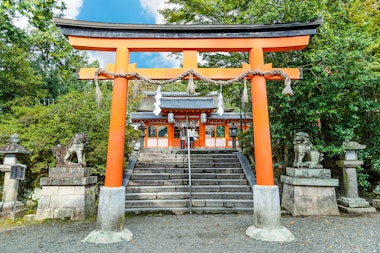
(108, 236)
(111, 216)
(267, 214)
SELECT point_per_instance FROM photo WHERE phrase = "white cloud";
(73, 8)
(72, 11)
(152, 7)
(162, 60)
(104, 58)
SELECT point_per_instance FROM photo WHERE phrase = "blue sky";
(122, 11)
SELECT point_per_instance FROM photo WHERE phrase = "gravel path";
(200, 233)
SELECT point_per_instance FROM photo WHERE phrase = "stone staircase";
(160, 182)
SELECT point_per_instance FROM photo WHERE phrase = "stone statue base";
(6, 210)
(309, 192)
(376, 203)
(355, 205)
(68, 192)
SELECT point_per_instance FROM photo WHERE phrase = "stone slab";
(353, 202)
(376, 203)
(50, 181)
(349, 163)
(346, 209)
(106, 237)
(302, 200)
(280, 234)
(64, 172)
(308, 173)
(6, 210)
(60, 202)
(310, 181)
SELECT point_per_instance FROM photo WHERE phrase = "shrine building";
(180, 111)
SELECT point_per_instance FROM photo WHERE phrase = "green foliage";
(17, 77)
(363, 182)
(42, 127)
(338, 97)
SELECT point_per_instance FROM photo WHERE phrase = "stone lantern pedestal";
(351, 202)
(8, 203)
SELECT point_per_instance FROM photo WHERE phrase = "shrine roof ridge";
(179, 94)
(70, 27)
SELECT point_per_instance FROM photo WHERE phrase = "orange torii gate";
(189, 40)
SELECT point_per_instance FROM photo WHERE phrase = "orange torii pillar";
(266, 199)
(189, 39)
(111, 213)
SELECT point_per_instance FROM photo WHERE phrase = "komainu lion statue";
(305, 155)
(73, 153)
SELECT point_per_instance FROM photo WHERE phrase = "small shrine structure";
(181, 110)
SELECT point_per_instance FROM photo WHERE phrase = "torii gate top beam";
(86, 35)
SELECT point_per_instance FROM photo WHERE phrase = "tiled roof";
(187, 102)
(214, 116)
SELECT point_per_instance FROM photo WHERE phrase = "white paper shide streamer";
(156, 104)
(220, 110)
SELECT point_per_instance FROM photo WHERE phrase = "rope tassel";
(98, 94)
(220, 110)
(244, 98)
(287, 91)
(190, 86)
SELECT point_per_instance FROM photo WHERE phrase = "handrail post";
(189, 167)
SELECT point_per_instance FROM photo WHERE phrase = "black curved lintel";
(113, 30)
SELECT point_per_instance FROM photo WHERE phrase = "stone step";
(195, 210)
(168, 164)
(185, 170)
(185, 195)
(160, 183)
(149, 155)
(164, 203)
(185, 188)
(186, 182)
(181, 159)
(156, 176)
(184, 151)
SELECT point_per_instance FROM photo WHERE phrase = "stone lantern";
(233, 134)
(351, 202)
(142, 134)
(10, 151)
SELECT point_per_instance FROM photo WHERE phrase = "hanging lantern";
(203, 118)
(171, 118)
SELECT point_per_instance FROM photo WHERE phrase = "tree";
(338, 97)
(36, 62)
(17, 77)
(42, 127)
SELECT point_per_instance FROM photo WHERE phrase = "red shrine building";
(181, 110)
